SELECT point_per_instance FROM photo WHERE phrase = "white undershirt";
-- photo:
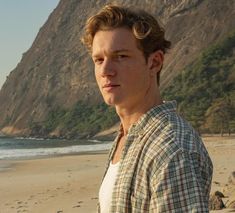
(106, 188)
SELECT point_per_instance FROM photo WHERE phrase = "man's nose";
(108, 68)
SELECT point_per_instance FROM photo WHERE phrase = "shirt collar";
(154, 113)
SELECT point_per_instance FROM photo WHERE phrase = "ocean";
(23, 148)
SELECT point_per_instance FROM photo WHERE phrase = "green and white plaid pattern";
(164, 166)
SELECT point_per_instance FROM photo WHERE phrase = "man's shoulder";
(170, 133)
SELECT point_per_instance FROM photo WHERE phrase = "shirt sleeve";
(183, 185)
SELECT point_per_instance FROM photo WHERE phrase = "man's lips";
(110, 85)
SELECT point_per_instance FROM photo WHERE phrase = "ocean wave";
(30, 138)
(25, 153)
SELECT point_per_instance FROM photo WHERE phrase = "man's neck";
(131, 115)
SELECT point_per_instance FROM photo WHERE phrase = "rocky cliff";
(57, 72)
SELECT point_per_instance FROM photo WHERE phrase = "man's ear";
(155, 61)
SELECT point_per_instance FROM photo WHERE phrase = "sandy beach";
(69, 184)
(222, 152)
(65, 184)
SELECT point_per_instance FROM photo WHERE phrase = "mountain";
(54, 78)
(205, 89)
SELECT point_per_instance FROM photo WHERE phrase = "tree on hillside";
(219, 115)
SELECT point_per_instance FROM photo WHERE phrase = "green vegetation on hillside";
(205, 90)
(81, 121)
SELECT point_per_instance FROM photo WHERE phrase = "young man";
(158, 162)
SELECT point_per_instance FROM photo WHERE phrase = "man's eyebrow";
(112, 52)
(121, 50)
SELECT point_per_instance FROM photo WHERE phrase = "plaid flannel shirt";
(164, 166)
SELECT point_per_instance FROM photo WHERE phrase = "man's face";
(121, 70)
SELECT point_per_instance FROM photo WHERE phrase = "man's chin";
(110, 102)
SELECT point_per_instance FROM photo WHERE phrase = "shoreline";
(7, 164)
(19, 149)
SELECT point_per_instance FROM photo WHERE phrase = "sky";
(20, 21)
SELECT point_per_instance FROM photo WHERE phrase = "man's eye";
(122, 56)
(98, 60)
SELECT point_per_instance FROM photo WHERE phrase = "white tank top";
(106, 188)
